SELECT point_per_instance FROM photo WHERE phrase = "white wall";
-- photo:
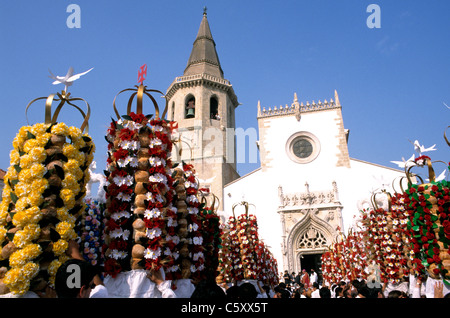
(261, 189)
(322, 124)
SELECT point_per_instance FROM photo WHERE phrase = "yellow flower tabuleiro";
(28, 198)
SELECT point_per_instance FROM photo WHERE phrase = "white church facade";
(307, 188)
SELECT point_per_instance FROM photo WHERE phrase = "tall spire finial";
(336, 98)
(204, 58)
(204, 10)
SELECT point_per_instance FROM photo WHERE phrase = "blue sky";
(392, 81)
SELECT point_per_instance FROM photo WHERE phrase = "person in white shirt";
(315, 291)
(303, 293)
(164, 286)
(313, 277)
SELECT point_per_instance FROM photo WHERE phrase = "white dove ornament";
(421, 149)
(405, 163)
(68, 79)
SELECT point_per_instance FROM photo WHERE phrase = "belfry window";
(214, 108)
(173, 111)
(190, 107)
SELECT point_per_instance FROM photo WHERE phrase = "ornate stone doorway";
(309, 238)
(309, 223)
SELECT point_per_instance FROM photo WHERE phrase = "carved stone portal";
(310, 222)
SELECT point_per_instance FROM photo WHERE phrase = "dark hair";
(374, 292)
(247, 290)
(315, 285)
(283, 292)
(296, 294)
(394, 294)
(208, 289)
(267, 290)
(356, 283)
(364, 291)
(346, 290)
(324, 292)
(64, 273)
(233, 292)
(338, 290)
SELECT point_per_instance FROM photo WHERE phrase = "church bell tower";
(203, 104)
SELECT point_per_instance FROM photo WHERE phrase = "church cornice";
(202, 80)
(296, 108)
(293, 110)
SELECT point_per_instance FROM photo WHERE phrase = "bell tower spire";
(203, 104)
(204, 58)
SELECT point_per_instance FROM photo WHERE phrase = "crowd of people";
(90, 284)
(307, 285)
(302, 285)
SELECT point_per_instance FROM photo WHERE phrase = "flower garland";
(331, 270)
(346, 259)
(185, 240)
(267, 267)
(357, 256)
(230, 263)
(159, 195)
(177, 239)
(194, 223)
(248, 237)
(242, 255)
(429, 225)
(90, 232)
(387, 239)
(212, 233)
(140, 186)
(372, 221)
(123, 145)
(399, 242)
(44, 188)
(327, 268)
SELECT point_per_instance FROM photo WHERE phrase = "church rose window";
(303, 147)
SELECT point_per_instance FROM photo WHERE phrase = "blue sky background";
(391, 81)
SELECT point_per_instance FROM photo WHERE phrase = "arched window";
(189, 107)
(214, 108)
(173, 111)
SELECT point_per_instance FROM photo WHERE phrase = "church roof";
(204, 58)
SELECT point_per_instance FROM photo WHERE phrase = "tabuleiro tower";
(203, 104)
